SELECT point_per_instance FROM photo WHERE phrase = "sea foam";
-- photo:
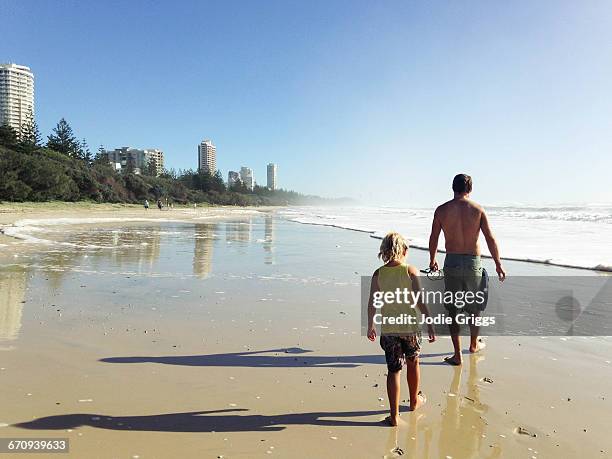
(569, 236)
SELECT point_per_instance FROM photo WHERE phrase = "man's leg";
(475, 344)
(473, 280)
(454, 332)
(453, 282)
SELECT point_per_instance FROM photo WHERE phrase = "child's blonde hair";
(392, 247)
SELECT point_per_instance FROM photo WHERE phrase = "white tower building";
(272, 168)
(16, 95)
(246, 175)
(207, 156)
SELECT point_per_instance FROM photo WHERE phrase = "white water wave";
(579, 237)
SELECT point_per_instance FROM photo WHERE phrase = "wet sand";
(238, 335)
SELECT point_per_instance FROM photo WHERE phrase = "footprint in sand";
(523, 431)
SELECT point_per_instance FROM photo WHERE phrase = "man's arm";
(371, 309)
(492, 245)
(436, 227)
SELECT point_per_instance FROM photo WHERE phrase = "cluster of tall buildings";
(16, 95)
(247, 178)
(207, 161)
(148, 161)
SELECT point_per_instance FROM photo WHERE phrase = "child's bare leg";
(393, 392)
(413, 375)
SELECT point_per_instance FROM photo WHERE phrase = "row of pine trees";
(62, 139)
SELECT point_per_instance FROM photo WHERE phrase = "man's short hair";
(462, 183)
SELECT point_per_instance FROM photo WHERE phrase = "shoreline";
(12, 213)
(58, 213)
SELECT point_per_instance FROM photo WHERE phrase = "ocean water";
(573, 236)
(579, 237)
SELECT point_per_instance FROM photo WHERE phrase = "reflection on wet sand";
(203, 249)
(136, 246)
(462, 417)
(238, 231)
(141, 246)
(12, 296)
(461, 430)
(412, 445)
(268, 244)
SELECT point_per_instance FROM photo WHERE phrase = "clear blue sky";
(381, 101)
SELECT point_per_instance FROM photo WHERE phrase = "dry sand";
(243, 340)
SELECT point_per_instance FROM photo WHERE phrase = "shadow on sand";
(226, 420)
(281, 358)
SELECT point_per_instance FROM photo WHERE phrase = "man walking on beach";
(462, 220)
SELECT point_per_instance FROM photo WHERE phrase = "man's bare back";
(460, 220)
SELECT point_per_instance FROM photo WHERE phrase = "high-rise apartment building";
(207, 156)
(139, 160)
(272, 176)
(233, 178)
(246, 175)
(16, 95)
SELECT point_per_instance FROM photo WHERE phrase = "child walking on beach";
(400, 341)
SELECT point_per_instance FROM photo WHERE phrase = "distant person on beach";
(401, 343)
(462, 221)
(159, 204)
(146, 204)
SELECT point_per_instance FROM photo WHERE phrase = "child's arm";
(371, 309)
(416, 286)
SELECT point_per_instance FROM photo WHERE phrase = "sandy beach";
(221, 332)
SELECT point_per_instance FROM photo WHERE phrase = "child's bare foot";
(420, 401)
(393, 420)
(454, 360)
(480, 345)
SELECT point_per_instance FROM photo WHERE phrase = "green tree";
(29, 135)
(129, 166)
(63, 140)
(217, 183)
(85, 153)
(239, 187)
(151, 168)
(8, 136)
(100, 157)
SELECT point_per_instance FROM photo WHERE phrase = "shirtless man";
(462, 220)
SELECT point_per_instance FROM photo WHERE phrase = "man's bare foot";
(420, 401)
(454, 360)
(393, 420)
(480, 345)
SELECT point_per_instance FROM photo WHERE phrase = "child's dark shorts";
(399, 348)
